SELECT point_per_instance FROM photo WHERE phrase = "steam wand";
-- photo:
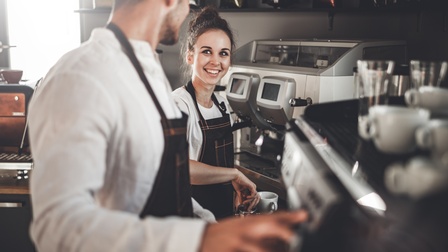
(26, 123)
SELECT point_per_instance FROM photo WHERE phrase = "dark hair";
(205, 20)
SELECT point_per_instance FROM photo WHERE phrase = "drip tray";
(258, 164)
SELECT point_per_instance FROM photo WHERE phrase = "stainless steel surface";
(14, 177)
(313, 183)
(263, 173)
(307, 181)
(10, 204)
(358, 188)
(13, 161)
(322, 70)
(15, 169)
(400, 84)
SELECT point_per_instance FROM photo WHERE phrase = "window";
(42, 32)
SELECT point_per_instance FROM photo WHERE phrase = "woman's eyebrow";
(209, 47)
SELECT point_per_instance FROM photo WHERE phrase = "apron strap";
(129, 51)
(221, 106)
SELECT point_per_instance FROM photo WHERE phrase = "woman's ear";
(189, 57)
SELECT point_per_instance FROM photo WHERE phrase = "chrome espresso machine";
(272, 81)
(280, 87)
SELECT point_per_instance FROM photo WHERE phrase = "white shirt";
(194, 133)
(97, 144)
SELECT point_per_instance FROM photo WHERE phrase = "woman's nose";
(215, 59)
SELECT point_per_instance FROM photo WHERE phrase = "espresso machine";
(304, 131)
(16, 162)
(271, 82)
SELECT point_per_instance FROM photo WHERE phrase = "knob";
(299, 102)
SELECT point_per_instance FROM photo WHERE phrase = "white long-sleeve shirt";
(97, 144)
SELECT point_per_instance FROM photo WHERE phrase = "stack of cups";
(422, 124)
(426, 77)
(391, 128)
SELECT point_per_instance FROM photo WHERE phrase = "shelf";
(105, 10)
(335, 10)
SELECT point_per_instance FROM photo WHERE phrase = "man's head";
(156, 21)
(169, 34)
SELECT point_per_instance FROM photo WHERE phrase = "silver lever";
(2, 46)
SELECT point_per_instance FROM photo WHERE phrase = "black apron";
(216, 150)
(171, 194)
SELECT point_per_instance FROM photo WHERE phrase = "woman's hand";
(246, 192)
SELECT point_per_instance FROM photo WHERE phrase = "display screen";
(237, 86)
(270, 91)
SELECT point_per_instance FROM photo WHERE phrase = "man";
(108, 143)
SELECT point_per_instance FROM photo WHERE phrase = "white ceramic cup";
(392, 128)
(268, 202)
(11, 76)
(434, 99)
(418, 178)
(433, 136)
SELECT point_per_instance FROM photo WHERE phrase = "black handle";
(299, 102)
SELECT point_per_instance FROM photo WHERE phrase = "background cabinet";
(15, 218)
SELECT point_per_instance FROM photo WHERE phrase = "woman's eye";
(206, 52)
(224, 53)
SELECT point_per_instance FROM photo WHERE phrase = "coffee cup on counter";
(392, 128)
(11, 76)
(268, 202)
(434, 137)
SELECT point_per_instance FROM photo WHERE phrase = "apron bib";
(171, 193)
(216, 150)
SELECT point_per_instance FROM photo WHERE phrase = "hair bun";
(207, 15)
(207, 19)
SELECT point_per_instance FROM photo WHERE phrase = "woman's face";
(210, 59)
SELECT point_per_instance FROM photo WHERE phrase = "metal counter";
(262, 172)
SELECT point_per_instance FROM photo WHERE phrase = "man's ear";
(171, 3)
(189, 57)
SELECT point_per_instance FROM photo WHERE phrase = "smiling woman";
(41, 31)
